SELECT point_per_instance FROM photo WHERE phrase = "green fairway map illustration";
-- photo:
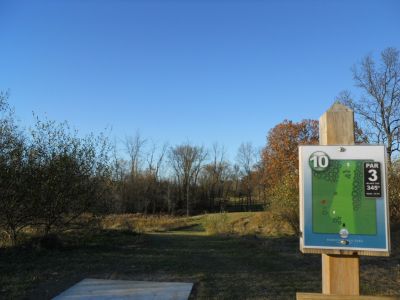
(338, 198)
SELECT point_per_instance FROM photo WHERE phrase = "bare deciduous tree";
(134, 146)
(378, 108)
(155, 159)
(186, 161)
(247, 158)
(215, 176)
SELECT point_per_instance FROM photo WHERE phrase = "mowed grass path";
(221, 267)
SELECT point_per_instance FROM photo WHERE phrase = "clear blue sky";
(203, 71)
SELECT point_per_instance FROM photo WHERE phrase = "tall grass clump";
(218, 224)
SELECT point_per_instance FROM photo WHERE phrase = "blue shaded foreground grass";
(223, 267)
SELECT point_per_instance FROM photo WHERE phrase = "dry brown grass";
(259, 223)
(241, 224)
(140, 223)
(217, 224)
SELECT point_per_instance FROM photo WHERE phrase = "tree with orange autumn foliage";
(281, 163)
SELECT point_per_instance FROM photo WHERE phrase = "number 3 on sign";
(319, 161)
(374, 175)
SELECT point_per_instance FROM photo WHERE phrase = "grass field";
(227, 266)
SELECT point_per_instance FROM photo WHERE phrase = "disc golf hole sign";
(343, 198)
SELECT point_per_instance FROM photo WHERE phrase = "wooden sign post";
(340, 267)
(340, 274)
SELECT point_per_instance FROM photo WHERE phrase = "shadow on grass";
(190, 228)
(220, 267)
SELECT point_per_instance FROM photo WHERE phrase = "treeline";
(186, 179)
(52, 179)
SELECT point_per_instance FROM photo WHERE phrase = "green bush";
(285, 201)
